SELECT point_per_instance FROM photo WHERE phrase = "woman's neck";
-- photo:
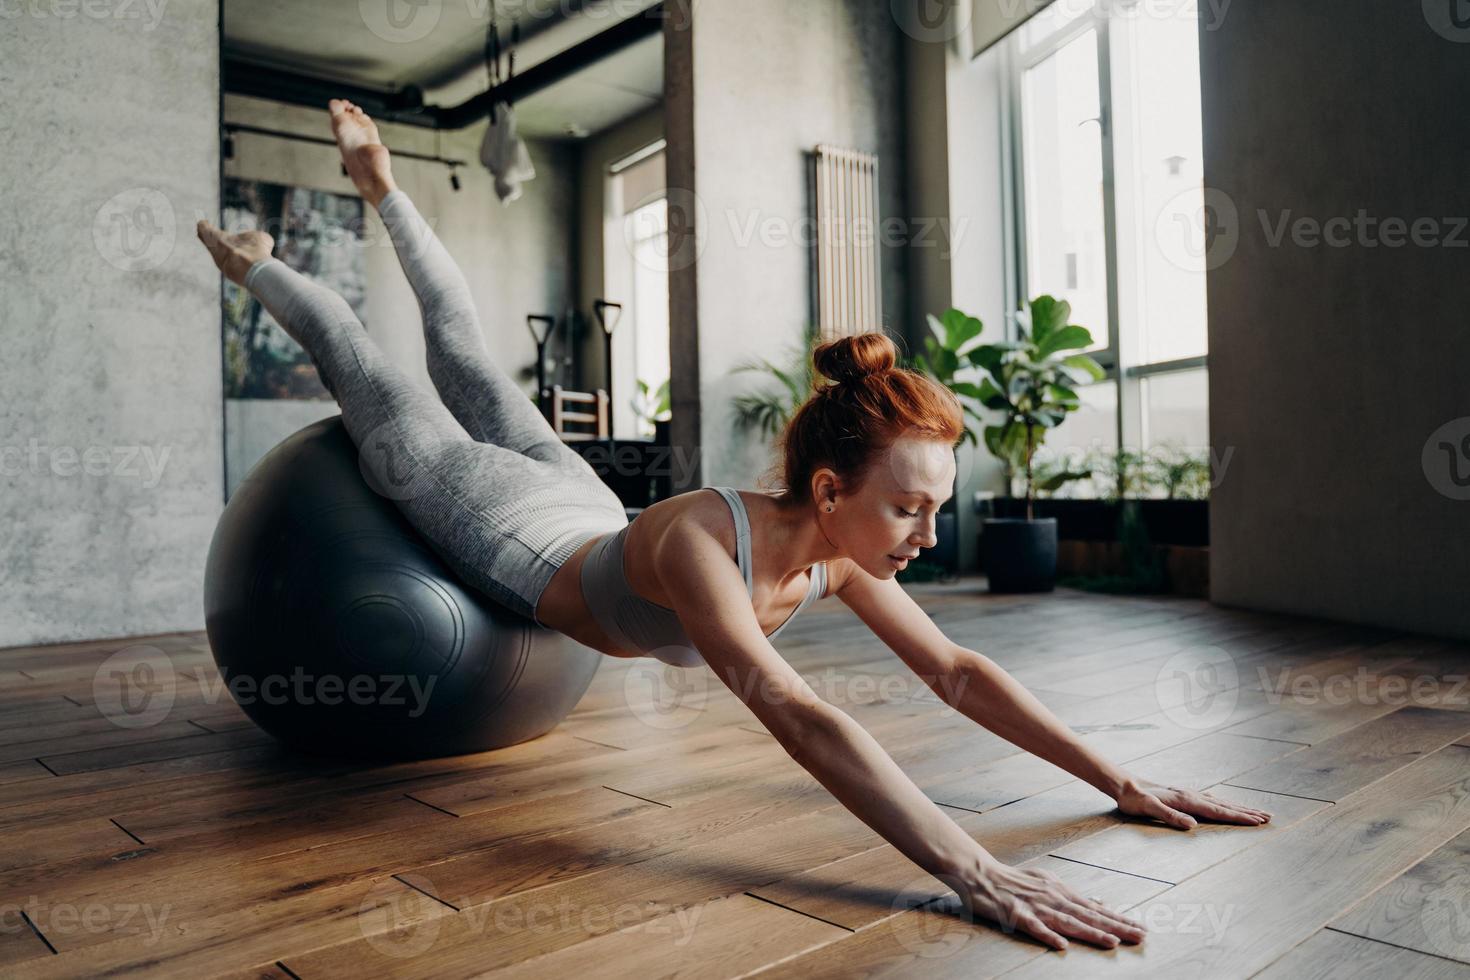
(793, 538)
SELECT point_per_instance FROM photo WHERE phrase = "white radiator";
(849, 287)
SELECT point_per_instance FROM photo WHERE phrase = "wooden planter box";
(1187, 569)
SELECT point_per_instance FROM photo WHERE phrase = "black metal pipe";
(282, 134)
(554, 69)
(406, 105)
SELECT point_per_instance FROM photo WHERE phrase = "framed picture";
(317, 233)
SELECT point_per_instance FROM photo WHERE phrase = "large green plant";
(946, 353)
(769, 409)
(1032, 382)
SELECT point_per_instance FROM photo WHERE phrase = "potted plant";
(651, 405)
(946, 352)
(1031, 382)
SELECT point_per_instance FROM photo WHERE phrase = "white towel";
(505, 155)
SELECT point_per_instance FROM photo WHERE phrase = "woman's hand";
(1174, 806)
(1035, 901)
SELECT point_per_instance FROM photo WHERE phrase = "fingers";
(1234, 812)
(1070, 925)
(1101, 917)
(1174, 818)
(1093, 911)
(1032, 925)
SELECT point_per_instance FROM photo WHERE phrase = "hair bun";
(851, 359)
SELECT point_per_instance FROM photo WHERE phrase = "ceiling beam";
(406, 105)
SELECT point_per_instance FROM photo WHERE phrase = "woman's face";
(884, 523)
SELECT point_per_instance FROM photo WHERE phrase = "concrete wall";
(519, 258)
(110, 448)
(765, 82)
(1336, 371)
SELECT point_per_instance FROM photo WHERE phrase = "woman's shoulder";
(698, 510)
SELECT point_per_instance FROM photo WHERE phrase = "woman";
(702, 577)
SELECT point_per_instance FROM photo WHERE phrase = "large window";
(636, 274)
(1105, 138)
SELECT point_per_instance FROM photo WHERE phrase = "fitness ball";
(338, 630)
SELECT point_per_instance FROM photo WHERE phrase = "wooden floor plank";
(726, 937)
(1223, 921)
(1149, 849)
(1345, 763)
(1330, 955)
(22, 771)
(855, 891)
(524, 924)
(937, 940)
(186, 948)
(1427, 908)
(658, 800)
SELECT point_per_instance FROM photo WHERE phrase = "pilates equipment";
(338, 630)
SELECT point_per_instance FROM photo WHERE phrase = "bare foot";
(234, 253)
(363, 154)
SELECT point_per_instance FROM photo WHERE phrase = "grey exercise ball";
(338, 630)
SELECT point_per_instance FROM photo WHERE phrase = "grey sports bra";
(634, 623)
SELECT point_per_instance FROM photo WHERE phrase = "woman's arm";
(980, 689)
(709, 595)
(985, 692)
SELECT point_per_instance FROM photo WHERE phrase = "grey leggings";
(492, 488)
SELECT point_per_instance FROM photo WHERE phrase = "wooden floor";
(659, 830)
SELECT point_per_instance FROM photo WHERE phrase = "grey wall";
(109, 319)
(765, 82)
(1332, 367)
(519, 258)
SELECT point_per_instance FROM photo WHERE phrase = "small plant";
(768, 410)
(1053, 475)
(1120, 474)
(1179, 473)
(1030, 381)
(651, 405)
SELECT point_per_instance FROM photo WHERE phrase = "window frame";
(616, 219)
(1131, 417)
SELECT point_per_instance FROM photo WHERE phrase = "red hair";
(868, 403)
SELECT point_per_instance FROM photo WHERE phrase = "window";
(1109, 202)
(636, 274)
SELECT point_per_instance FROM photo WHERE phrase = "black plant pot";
(1019, 555)
(945, 552)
